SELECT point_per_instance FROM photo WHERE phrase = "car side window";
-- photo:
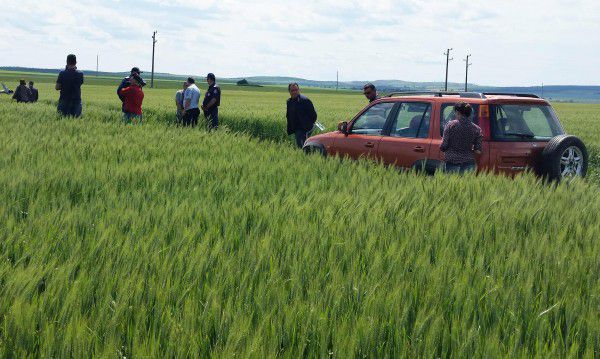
(447, 115)
(373, 120)
(412, 120)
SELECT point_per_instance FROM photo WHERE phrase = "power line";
(448, 59)
(153, 46)
(467, 64)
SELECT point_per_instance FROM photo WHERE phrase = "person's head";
(190, 81)
(22, 82)
(463, 109)
(370, 91)
(136, 80)
(294, 90)
(136, 70)
(210, 78)
(185, 85)
(71, 60)
(30, 83)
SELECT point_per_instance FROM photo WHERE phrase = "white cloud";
(512, 42)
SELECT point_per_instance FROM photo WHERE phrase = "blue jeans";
(69, 108)
(129, 117)
(301, 137)
(459, 168)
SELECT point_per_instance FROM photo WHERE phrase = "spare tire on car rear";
(565, 157)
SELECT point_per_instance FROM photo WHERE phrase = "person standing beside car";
(69, 83)
(462, 139)
(212, 101)
(301, 115)
(370, 92)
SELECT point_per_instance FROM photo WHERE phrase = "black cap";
(136, 69)
(211, 76)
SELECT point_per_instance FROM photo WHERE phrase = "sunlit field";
(158, 241)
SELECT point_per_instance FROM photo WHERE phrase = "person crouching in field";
(461, 141)
(132, 97)
(34, 92)
(22, 93)
(69, 83)
(301, 115)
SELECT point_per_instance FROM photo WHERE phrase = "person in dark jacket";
(69, 83)
(22, 93)
(212, 101)
(34, 92)
(301, 115)
(462, 139)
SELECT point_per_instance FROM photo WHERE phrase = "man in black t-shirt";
(69, 84)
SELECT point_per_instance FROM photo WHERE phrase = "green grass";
(155, 241)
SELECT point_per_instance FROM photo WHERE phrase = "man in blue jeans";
(69, 84)
(301, 115)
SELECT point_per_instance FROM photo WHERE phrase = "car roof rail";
(511, 94)
(437, 94)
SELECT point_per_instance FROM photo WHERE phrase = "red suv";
(520, 132)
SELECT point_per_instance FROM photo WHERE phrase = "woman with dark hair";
(461, 141)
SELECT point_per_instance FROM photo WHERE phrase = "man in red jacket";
(133, 96)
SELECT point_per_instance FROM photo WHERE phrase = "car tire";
(564, 158)
(315, 149)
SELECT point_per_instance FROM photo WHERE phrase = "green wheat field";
(158, 241)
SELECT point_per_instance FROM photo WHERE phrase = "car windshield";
(524, 122)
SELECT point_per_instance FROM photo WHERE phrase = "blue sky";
(511, 42)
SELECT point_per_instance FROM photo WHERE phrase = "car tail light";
(484, 120)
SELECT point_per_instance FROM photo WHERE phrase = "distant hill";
(555, 93)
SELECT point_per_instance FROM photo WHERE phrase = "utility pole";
(337, 79)
(542, 90)
(97, 56)
(448, 59)
(467, 72)
(153, 46)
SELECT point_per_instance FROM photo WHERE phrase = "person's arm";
(312, 113)
(210, 104)
(478, 146)
(187, 100)
(58, 86)
(121, 86)
(445, 138)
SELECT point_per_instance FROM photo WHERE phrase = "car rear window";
(447, 115)
(524, 123)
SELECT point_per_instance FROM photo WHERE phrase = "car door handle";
(419, 149)
(369, 144)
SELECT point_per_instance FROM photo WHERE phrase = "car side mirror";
(343, 127)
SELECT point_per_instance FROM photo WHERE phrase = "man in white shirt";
(191, 97)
